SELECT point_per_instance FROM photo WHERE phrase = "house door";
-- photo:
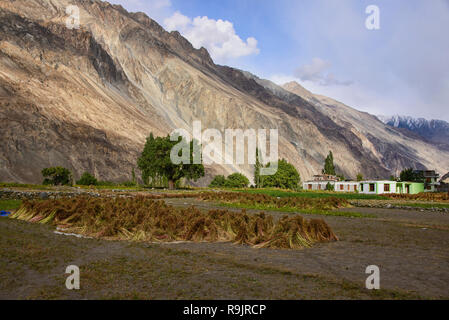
(407, 188)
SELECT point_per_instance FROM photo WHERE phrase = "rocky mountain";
(87, 98)
(388, 143)
(435, 131)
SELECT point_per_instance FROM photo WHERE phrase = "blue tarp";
(4, 213)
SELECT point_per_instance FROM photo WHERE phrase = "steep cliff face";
(87, 98)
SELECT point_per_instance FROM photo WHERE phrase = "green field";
(23, 185)
(312, 194)
(10, 204)
(422, 205)
(263, 207)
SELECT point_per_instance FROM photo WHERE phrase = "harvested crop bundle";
(144, 219)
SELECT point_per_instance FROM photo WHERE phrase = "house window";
(319, 186)
(428, 180)
(429, 187)
(372, 187)
(355, 188)
(341, 187)
(361, 187)
(386, 187)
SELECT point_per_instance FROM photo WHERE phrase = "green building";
(386, 186)
(409, 187)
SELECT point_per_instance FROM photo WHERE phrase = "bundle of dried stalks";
(143, 219)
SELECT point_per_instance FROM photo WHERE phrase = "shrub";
(87, 180)
(57, 176)
(218, 181)
(106, 183)
(330, 187)
(129, 184)
(236, 180)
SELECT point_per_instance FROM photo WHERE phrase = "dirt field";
(410, 248)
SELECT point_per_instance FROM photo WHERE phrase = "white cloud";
(317, 71)
(217, 36)
(313, 71)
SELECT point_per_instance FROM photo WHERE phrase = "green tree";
(57, 176)
(410, 175)
(330, 187)
(236, 180)
(286, 177)
(87, 180)
(218, 181)
(359, 177)
(133, 174)
(257, 166)
(329, 167)
(155, 161)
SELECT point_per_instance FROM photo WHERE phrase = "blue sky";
(401, 68)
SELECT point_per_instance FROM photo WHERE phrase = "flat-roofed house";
(319, 182)
(430, 179)
(347, 186)
(385, 187)
(377, 187)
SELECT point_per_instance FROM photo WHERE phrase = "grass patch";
(24, 186)
(312, 194)
(422, 205)
(298, 203)
(263, 207)
(10, 204)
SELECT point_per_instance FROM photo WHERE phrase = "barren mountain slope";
(86, 99)
(390, 146)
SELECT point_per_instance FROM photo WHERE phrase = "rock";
(43, 195)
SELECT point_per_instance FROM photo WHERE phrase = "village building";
(386, 186)
(320, 182)
(346, 186)
(430, 179)
(429, 184)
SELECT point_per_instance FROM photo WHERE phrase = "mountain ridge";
(87, 99)
(435, 131)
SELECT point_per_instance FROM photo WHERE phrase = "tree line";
(157, 169)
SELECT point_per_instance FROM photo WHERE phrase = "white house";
(377, 187)
(339, 186)
(316, 185)
(346, 186)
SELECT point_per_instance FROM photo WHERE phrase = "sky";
(389, 60)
